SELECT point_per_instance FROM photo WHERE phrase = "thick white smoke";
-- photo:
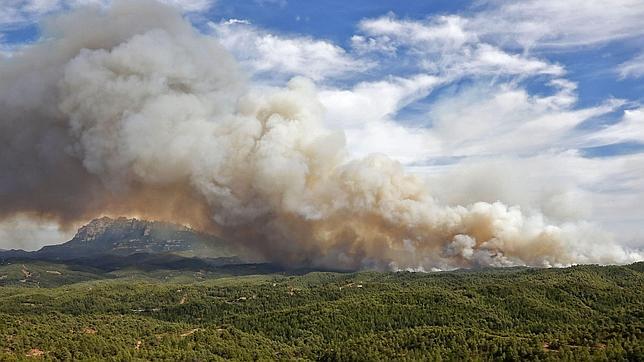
(130, 110)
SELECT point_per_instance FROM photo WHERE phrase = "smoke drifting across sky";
(130, 111)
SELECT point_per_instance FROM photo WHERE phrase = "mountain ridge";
(128, 236)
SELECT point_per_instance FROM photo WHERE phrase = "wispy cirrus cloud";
(629, 129)
(446, 45)
(553, 23)
(279, 56)
(633, 68)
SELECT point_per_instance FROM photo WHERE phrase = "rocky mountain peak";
(126, 236)
(123, 228)
(99, 227)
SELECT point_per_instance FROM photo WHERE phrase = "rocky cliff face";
(123, 228)
(98, 227)
(124, 236)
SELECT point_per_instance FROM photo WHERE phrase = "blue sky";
(546, 93)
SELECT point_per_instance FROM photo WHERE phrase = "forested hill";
(577, 313)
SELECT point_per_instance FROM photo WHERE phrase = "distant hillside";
(26, 272)
(582, 313)
(122, 236)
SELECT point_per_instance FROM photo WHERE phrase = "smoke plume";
(130, 111)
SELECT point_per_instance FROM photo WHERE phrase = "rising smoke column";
(130, 110)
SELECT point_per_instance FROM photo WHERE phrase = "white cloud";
(488, 59)
(496, 39)
(372, 101)
(362, 44)
(436, 34)
(11, 14)
(40, 6)
(629, 128)
(446, 45)
(366, 113)
(633, 68)
(505, 119)
(236, 21)
(555, 23)
(269, 54)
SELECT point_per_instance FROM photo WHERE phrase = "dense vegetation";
(53, 311)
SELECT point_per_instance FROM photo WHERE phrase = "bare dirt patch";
(25, 272)
(89, 330)
(190, 332)
(35, 352)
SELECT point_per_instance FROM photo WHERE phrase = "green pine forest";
(52, 311)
